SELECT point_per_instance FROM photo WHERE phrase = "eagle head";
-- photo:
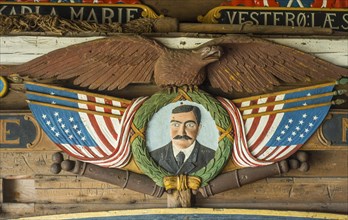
(209, 54)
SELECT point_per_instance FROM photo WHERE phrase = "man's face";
(183, 129)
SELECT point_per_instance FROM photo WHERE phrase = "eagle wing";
(254, 65)
(107, 63)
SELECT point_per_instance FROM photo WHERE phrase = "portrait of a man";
(183, 154)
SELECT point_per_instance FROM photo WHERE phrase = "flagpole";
(283, 92)
(288, 110)
(288, 101)
(74, 109)
(125, 101)
(77, 101)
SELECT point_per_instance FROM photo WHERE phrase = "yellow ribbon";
(137, 133)
(225, 133)
(182, 94)
(181, 182)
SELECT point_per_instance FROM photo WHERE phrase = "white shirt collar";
(187, 151)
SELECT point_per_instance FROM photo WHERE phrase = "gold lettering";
(4, 132)
(107, 15)
(130, 13)
(119, 15)
(2, 8)
(242, 15)
(265, 16)
(329, 19)
(276, 18)
(76, 16)
(26, 9)
(53, 12)
(92, 17)
(37, 9)
(345, 19)
(344, 129)
(289, 19)
(13, 11)
(231, 17)
(254, 18)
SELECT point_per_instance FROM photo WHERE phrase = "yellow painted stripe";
(194, 211)
(287, 101)
(74, 109)
(286, 110)
(283, 92)
(125, 101)
(76, 101)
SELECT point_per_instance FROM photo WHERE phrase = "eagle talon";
(185, 88)
(172, 89)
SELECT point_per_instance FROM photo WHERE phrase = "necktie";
(180, 158)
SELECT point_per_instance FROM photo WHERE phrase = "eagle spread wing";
(107, 63)
(253, 65)
(247, 64)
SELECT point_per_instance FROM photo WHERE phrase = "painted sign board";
(19, 131)
(334, 130)
(336, 19)
(95, 13)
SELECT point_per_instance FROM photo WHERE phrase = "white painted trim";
(15, 50)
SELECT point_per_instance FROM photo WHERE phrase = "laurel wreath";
(153, 105)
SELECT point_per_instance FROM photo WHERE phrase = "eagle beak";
(215, 53)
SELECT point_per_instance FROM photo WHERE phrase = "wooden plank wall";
(28, 188)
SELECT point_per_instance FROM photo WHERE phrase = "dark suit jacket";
(199, 158)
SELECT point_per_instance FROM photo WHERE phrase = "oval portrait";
(182, 137)
(183, 133)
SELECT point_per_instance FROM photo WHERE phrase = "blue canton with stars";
(63, 126)
(297, 126)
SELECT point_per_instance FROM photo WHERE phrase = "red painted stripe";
(123, 145)
(254, 126)
(261, 152)
(288, 154)
(99, 132)
(263, 133)
(237, 148)
(92, 153)
(110, 127)
(274, 153)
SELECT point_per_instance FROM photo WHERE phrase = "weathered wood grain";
(322, 163)
(20, 49)
(19, 189)
(314, 194)
(291, 189)
(15, 210)
(25, 163)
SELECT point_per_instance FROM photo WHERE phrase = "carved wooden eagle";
(232, 63)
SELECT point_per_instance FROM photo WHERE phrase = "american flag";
(271, 127)
(87, 126)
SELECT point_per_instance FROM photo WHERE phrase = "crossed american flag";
(96, 128)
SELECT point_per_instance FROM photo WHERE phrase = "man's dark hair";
(188, 108)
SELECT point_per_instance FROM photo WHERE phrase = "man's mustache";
(185, 137)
